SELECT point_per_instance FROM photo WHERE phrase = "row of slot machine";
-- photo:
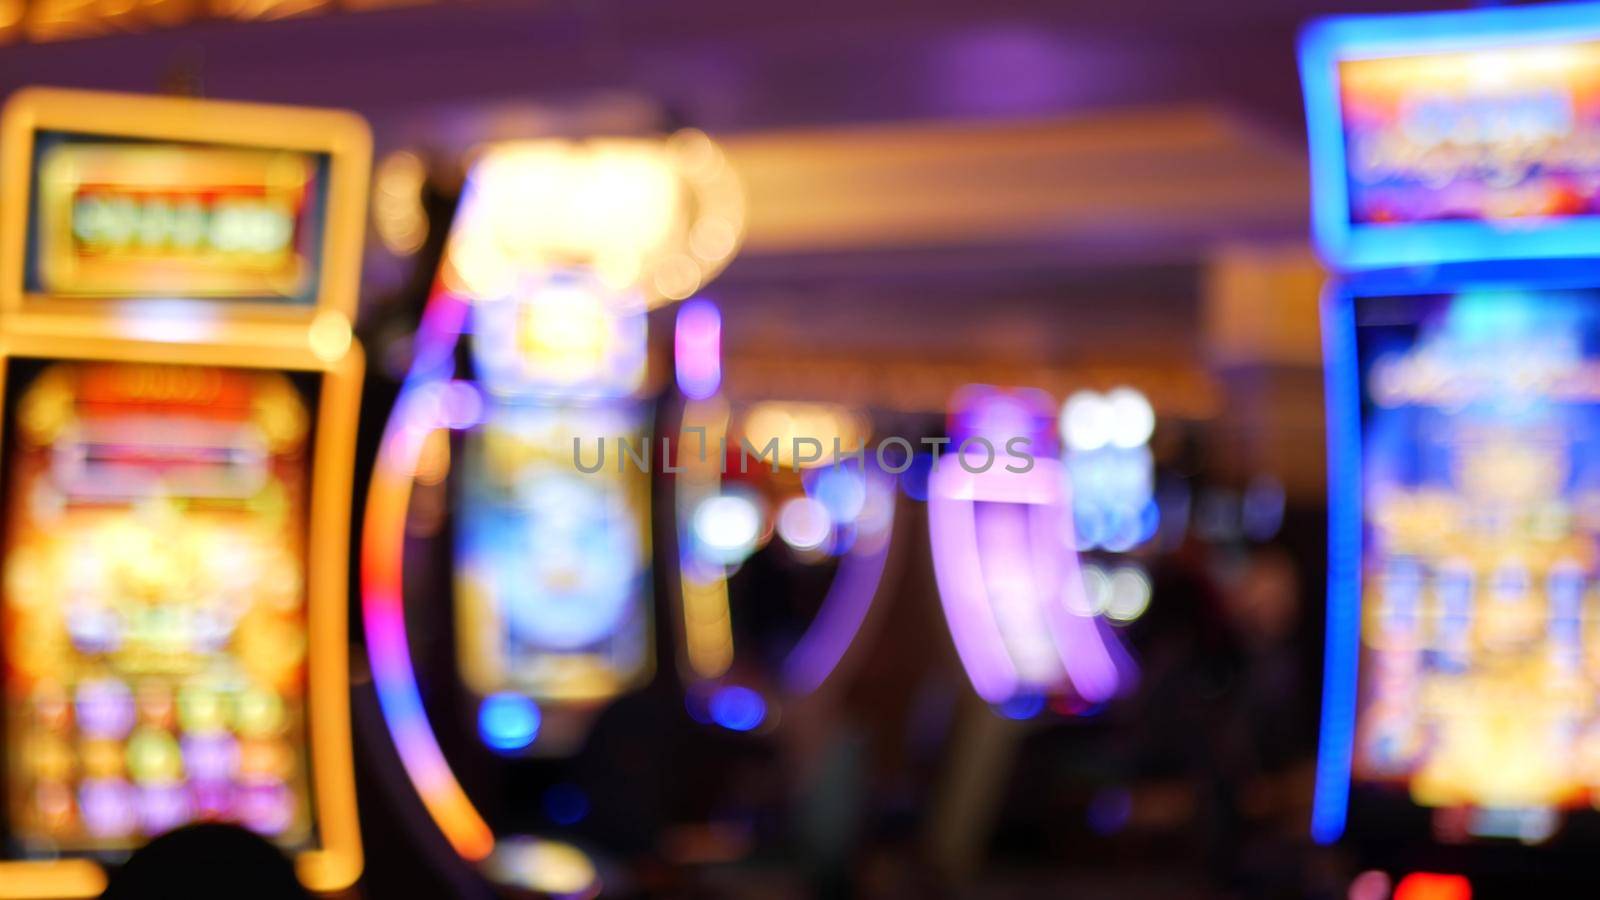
(569, 512)
(178, 281)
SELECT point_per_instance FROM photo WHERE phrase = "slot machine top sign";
(244, 214)
(177, 279)
(1454, 137)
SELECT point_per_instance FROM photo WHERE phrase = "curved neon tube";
(382, 599)
(1094, 670)
(844, 607)
(958, 571)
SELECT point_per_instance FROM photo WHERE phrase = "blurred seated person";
(202, 862)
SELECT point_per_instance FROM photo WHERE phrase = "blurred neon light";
(1336, 737)
(659, 216)
(707, 625)
(564, 334)
(1022, 706)
(697, 344)
(857, 504)
(382, 605)
(804, 523)
(849, 598)
(737, 708)
(727, 526)
(549, 868)
(959, 571)
(1013, 593)
(1432, 886)
(508, 721)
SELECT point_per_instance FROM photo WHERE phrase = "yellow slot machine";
(177, 280)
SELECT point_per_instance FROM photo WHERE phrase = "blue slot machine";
(1456, 195)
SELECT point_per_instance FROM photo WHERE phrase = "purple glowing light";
(697, 349)
(958, 569)
(162, 807)
(266, 807)
(107, 806)
(849, 597)
(1007, 575)
(105, 709)
(210, 757)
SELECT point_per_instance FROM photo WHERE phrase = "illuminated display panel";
(154, 604)
(552, 567)
(126, 218)
(1498, 133)
(1479, 659)
(1455, 137)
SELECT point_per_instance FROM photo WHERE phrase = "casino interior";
(1041, 448)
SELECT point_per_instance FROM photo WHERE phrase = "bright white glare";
(728, 526)
(1128, 594)
(1132, 419)
(1086, 421)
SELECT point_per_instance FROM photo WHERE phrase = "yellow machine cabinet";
(180, 386)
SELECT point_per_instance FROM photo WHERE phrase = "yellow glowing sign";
(658, 216)
(126, 219)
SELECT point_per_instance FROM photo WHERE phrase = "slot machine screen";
(1489, 134)
(1479, 668)
(154, 611)
(126, 218)
(1458, 136)
(553, 577)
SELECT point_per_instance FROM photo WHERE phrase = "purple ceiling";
(726, 65)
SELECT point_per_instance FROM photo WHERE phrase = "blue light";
(843, 490)
(914, 480)
(508, 721)
(1331, 796)
(1149, 520)
(566, 804)
(738, 708)
(1326, 42)
(1022, 706)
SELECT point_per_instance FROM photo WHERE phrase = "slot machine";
(177, 281)
(522, 443)
(1456, 196)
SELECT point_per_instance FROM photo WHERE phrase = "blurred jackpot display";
(1439, 139)
(180, 394)
(1461, 670)
(1480, 437)
(133, 219)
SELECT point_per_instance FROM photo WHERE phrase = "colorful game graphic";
(140, 219)
(154, 604)
(551, 562)
(1508, 132)
(1480, 659)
